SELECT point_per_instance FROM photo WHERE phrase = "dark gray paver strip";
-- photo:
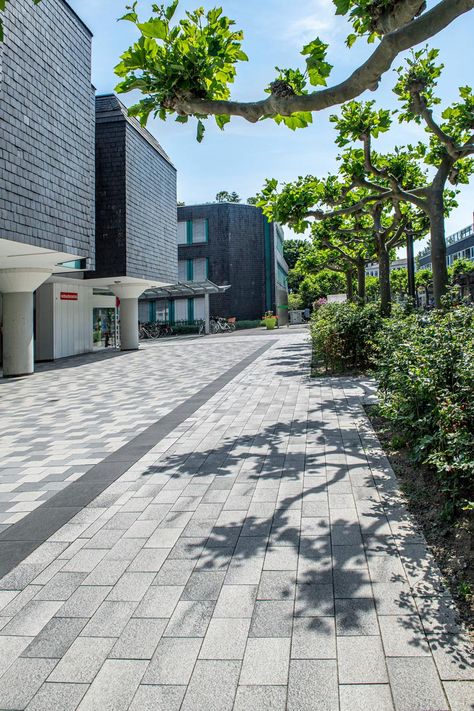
(22, 538)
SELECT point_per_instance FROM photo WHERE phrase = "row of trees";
(378, 200)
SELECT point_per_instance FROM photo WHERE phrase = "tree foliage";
(186, 67)
(225, 196)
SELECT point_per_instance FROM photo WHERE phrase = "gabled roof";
(108, 107)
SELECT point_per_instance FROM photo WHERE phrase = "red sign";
(68, 295)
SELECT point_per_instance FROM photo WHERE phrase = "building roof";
(185, 289)
(108, 107)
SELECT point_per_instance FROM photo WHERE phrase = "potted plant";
(269, 320)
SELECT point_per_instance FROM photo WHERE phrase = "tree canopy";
(186, 67)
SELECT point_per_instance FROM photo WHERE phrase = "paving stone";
(158, 698)
(55, 638)
(356, 616)
(110, 619)
(361, 660)
(314, 601)
(148, 560)
(84, 561)
(312, 685)
(276, 585)
(403, 636)
(190, 619)
(225, 639)
(272, 618)
(159, 601)
(57, 697)
(61, 586)
(84, 601)
(114, 686)
(280, 558)
(173, 661)
(460, 694)
(313, 638)
(266, 662)
(32, 618)
(22, 680)
(415, 684)
(365, 697)
(350, 557)
(212, 686)
(131, 587)
(174, 572)
(244, 572)
(393, 598)
(263, 698)
(139, 639)
(107, 572)
(352, 583)
(453, 655)
(203, 586)
(236, 601)
(83, 660)
(163, 538)
(10, 649)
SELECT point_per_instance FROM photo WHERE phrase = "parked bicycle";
(153, 330)
(218, 324)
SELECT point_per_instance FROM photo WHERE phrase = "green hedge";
(247, 324)
(426, 378)
(343, 335)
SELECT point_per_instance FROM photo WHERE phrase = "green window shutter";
(152, 311)
(207, 230)
(268, 265)
(189, 232)
(207, 267)
(191, 310)
(171, 311)
(189, 270)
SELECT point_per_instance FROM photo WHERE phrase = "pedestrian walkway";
(254, 554)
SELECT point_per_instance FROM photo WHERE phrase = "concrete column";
(128, 295)
(129, 324)
(17, 287)
(207, 315)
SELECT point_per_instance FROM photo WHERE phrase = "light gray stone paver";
(114, 686)
(158, 698)
(254, 558)
(173, 661)
(212, 686)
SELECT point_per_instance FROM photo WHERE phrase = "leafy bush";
(247, 324)
(426, 378)
(343, 335)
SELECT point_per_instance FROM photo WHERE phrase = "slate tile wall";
(47, 134)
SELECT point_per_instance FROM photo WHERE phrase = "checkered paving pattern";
(67, 417)
(258, 558)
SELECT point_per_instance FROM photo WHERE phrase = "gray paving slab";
(22, 680)
(229, 514)
(415, 684)
(57, 697)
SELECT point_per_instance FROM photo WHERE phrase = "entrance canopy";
(185, 289)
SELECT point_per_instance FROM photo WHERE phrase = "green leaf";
(200, 131)
(171, 9)
(342, 6)
(221, 120)
(154, 28)
(350, 39)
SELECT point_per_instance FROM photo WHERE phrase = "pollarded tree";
(418, 175)
(185, 68)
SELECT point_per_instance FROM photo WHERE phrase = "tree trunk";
(361, 279)
(384, 280)
(349, 285)
(438, 247)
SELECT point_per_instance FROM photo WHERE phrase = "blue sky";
(241, 157)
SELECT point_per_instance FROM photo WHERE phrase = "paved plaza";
(200, 526)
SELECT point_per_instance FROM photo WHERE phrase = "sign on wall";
(68, 295)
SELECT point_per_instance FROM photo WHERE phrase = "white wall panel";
(72, 320)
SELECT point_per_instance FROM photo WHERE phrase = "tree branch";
(367, 76)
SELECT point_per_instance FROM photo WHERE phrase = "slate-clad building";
(61, 269)
(229, 244)
(135, 199)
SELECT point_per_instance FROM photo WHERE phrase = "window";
(200, 269)
(182, 270)
(199, 231)
(279, 239)
(182, 232)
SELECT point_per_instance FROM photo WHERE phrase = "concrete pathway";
(251, 552)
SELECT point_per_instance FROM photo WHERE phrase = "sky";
(244, 155)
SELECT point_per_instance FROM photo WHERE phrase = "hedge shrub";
(426, 389)
(343, 335)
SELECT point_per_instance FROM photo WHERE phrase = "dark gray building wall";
(136, 199)
(461, 246)
(47, 128)
(236, 254)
